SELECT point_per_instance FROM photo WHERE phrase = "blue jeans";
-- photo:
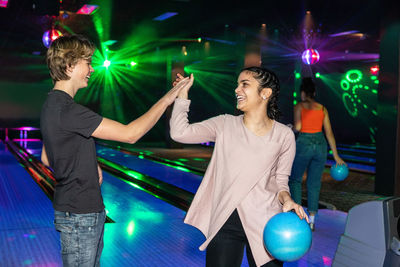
(311, 154)
(81, 237)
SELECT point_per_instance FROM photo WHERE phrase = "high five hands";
(185, 89)
(183, 84)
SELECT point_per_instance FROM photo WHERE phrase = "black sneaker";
(312, 227)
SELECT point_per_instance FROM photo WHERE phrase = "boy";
(69, 149)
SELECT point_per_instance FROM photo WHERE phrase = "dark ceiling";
(22, 28)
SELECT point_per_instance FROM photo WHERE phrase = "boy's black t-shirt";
(66, 130)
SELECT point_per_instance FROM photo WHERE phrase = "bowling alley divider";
(169, 193)
(371, 237)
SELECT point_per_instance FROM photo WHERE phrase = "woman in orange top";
(311, 147)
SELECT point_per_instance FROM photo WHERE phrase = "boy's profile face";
(81, 72)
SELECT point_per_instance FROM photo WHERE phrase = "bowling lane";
(325, 239)
(147, 231)
(27, 235)
(182, 179)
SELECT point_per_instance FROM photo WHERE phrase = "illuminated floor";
(330, 224)
(146, 232)
(27, 236)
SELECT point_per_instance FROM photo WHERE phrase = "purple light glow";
(343, 33)
(27, 140)
(327, 261)
(87, 9)
(3, 3)
(26, 128)
(30, 151)
(352, 56)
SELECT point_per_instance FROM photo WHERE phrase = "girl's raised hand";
(186, 87)
(179, 78)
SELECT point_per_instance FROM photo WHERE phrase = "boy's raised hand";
(170, 97)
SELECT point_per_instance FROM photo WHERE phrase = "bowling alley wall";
(346, 83)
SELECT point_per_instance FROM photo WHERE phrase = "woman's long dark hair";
(267, 79)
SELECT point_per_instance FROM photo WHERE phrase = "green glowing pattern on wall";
(354, 76)
(359, 96)
(345, 85)
(353, 84)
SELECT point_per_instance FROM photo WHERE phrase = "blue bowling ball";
(339, 172)
(287, 237)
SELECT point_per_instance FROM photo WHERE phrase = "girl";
(309, 117)
(246, 181)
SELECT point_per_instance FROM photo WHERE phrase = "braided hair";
(267, 79)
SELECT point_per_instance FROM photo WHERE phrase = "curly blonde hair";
(65, 52)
